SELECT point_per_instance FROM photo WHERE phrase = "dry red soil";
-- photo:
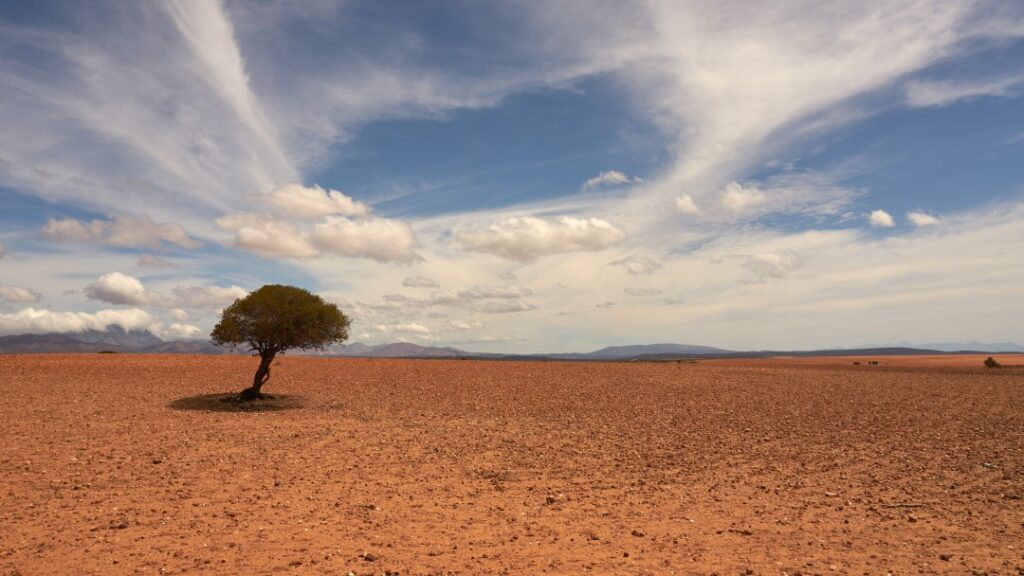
(115, 464)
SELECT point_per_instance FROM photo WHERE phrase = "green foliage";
(276, 318)
(990, 362)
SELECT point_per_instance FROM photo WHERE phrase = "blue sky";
(556, 176)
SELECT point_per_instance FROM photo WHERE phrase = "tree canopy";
(275, 319)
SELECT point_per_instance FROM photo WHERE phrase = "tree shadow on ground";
(231, 403)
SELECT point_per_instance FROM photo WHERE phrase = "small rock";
(945, 557)
(549, 500)
(369, 557)
(157, 461)
(638, 533)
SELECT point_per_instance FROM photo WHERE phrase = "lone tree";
(277, 318)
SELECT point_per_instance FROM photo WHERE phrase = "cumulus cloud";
(37, 321)
(686, 205)
(18, 294)
(465, 325)
(154, 261)
(314, 202)
(609, 178)
(921, 219)
(207, 297)
(407, 328)
(881, 219)
(123, 231)
(643, 291)
(175, 331)
(527, 238)
(738, 198)
(638, 265)
(380, 239)
(483, 292)
(419, 282)
(772, 264)
(121, 289)
(505, 307)
(268, 236)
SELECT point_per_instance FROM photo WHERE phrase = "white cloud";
(36, 321)
(121, 289)
(609, 178)
(772, 264)
(505, 307)
(881, 219)
(484, 292)
(921, 219)
(175, 331)
(207, 297)
(380, 239)
(419, 282)
(643, 291)
(313, 202)
(409, 328)
(465, 325)
(686, 205)
(638, 265)
(527, 238)
(923, 94)
(268, 236)
(738, 198)
(154, 261)
(18, 294)
(123, 231)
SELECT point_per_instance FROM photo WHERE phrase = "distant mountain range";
(142, 341)
(114, 339)
(959, 346)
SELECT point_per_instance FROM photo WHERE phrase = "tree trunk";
(261, 377)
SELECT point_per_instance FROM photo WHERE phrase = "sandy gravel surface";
(114, 464)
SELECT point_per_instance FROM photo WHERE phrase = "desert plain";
(126, 464)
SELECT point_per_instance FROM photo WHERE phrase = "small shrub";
(990, 362)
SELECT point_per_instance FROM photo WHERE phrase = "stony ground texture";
(117, 464)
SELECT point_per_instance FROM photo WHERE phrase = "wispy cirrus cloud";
(936, 93)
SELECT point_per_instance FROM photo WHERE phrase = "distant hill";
(990, 347)
(400, 350)
(619, 352)
(45, 343)
(112, 340)
(117, 336)
(142, 341)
